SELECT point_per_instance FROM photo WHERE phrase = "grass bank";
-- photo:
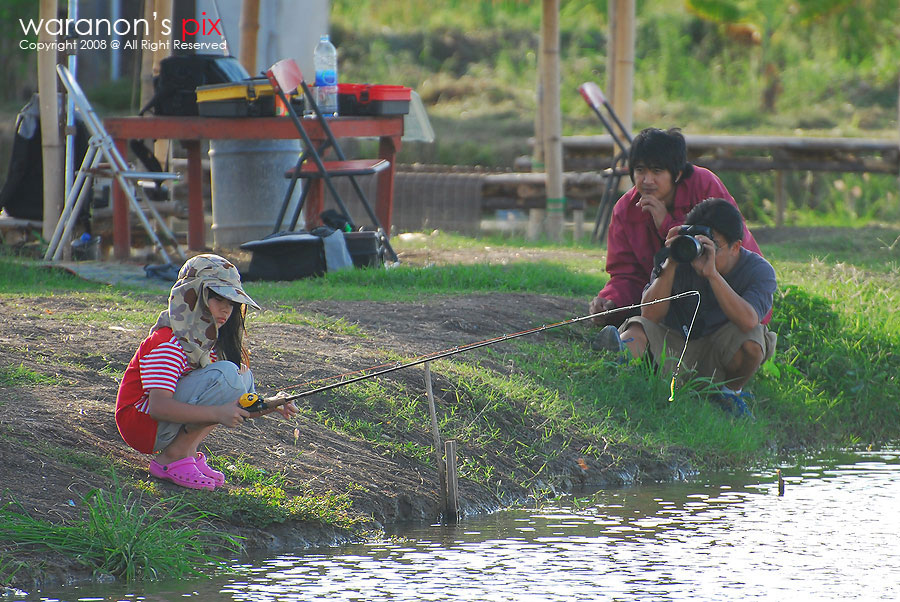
(527, 407)
(832, 381)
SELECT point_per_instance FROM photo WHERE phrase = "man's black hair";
(664, 149)
(721, 216)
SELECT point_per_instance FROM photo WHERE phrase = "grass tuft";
(261, 499)
(120, 535)
(20, 375)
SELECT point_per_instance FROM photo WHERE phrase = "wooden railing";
(755, 153)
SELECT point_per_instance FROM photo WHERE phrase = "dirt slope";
(43, 425)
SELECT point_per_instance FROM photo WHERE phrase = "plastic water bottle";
(325, 61)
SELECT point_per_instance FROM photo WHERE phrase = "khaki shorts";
(707, 356)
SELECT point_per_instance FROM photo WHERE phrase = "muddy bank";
(55, 433)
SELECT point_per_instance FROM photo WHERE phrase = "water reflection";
(833, 535)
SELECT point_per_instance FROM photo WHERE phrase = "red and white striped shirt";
(159, 363)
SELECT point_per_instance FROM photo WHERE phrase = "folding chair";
(285, 77)
(613, 175)
(101, 148)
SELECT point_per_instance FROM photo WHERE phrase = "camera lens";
(685, 249)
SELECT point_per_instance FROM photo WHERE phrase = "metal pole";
(70, 111)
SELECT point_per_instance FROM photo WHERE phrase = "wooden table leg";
(121, 219)
(384, 198)
(315, 202)
(196, 240)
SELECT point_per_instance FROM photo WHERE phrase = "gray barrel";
(248, 187)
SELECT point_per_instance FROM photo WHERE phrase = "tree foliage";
(858, 26)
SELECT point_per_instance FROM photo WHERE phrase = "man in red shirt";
(666, 187)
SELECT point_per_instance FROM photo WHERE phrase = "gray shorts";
(706, 356)
(213, 385)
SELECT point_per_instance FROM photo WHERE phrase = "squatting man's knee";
(635, 338)
(744, 364)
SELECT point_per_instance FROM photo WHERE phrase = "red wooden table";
(191, 130)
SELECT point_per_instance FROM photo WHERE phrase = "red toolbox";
(369, 99)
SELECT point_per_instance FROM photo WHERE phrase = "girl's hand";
(288, 410)
(243, 369)
(232, 415)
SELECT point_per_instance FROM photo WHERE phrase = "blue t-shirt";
(752, 277)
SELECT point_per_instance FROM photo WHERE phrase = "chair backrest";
(592, 94)
(285, 75)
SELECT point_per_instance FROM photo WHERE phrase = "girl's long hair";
(230, 341)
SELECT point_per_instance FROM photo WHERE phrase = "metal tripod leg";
(72, 205)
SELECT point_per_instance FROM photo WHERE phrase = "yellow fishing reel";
(252, 402)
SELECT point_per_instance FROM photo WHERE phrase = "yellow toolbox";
(248, 98)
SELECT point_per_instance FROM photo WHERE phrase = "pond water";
(834, 534)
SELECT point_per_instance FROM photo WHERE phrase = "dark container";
(175, 88)
(365, 249)
(288, 256)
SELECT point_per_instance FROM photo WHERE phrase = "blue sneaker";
(736, 403)
(608, 339)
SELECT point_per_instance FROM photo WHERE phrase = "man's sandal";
(182, 472)
(203, 467)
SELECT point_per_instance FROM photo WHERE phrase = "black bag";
(22, 195)
(175, 88)
(285, 256)
(295, 255)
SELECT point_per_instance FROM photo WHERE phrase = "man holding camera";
(727, 342)
(666, 187)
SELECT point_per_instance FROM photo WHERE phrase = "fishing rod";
(253, 402)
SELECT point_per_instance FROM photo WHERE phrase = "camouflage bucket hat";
(218, 275)
(188, 313)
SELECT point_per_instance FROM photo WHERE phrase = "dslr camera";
(685, 247)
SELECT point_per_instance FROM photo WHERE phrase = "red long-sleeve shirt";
(634, 239)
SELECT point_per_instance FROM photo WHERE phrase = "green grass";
(262, 498)
(831, 383)
(18, 276)
(20, 375)
(405, 283)
(119, 535)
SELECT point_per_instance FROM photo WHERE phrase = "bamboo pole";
(438, 446)
(452, 483)
(164, 10)
(780, 198)
(536, 215)
(51, 145)
(147, 56)
(552, 120)
(620, 63)
(537, 164)
(249, 31)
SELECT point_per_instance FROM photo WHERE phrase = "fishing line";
(687, 337)
(373, 371)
